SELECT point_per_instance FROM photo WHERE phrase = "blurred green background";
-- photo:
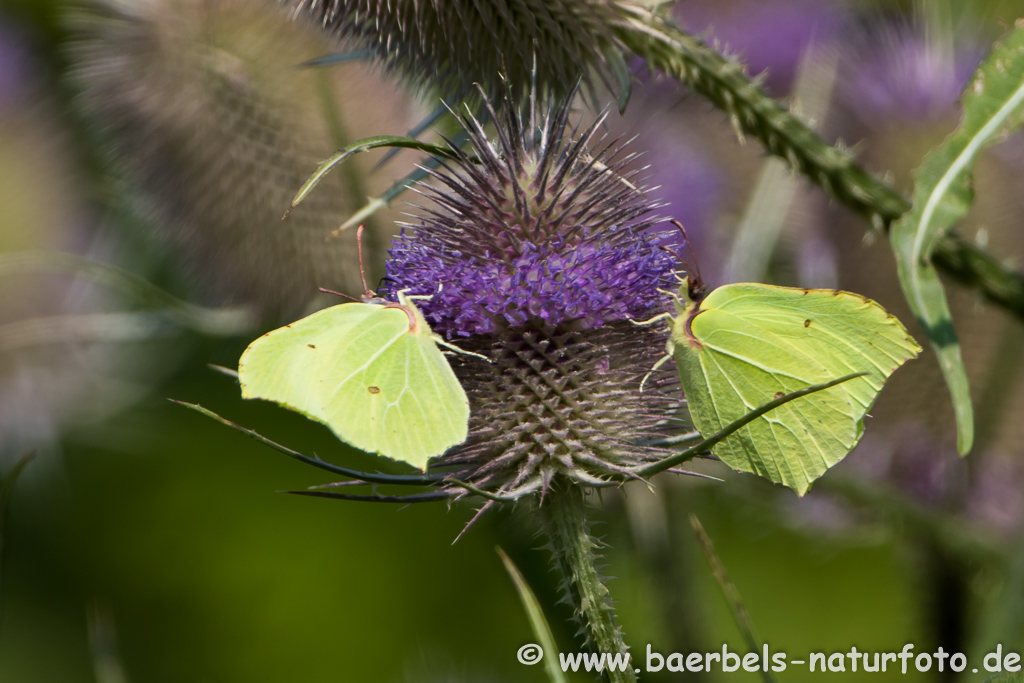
(146, 543)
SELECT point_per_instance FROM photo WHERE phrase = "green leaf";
(993, 105)
(1005, 678)
(538, 622)
(747, 344)
(739, 612)
(623, 76)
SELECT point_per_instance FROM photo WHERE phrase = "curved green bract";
(371, 372)
(746, 344)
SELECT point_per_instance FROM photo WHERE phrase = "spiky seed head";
(453, 45)
(205, 111)
(537, 251)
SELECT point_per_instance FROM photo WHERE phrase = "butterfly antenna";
(689, 247)
(331, 291)
(675, 253)
(367, 292)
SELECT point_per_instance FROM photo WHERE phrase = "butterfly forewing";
(366, 371)
(845, 332)
(285, 366)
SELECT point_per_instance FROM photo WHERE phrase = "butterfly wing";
(360, 370)
(845, 332)
(735, 367)
(395, 393)
(285, 366)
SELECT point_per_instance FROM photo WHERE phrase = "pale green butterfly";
(371, 371)
(744, 345)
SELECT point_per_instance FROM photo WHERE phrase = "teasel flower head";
(212, 128)
(538, 253)
(450, 46)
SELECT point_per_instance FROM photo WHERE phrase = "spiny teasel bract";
(538, 253)
(452, 45)
(205, 111)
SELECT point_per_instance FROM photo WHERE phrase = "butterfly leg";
(651, 321)
(403, 294)
(442, 342)
(661, 361)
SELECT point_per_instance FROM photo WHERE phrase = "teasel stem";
(752, 112)
(564, 516)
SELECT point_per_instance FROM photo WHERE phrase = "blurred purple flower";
(996, 497)
(770, 36)
(899, 71)
(690, 183)
(14, 64)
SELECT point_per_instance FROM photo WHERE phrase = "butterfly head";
(692, 288)
(691, 293)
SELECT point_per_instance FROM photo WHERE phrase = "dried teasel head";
(453, 45)
(208, 118)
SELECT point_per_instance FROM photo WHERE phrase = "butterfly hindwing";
(400, 395)
(740, 368)
(285, 365)
(747, 344)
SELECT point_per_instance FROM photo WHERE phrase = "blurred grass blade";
(765, 217)
(7, 483)
(365, 145)
(1002, 620)
(111, 276)
(107, 662)
(538, 623)
(993, 105)
(1005, 678)
(732, 595)
(111, 327)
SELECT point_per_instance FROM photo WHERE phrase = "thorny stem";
(565, 522)
(752, 112)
